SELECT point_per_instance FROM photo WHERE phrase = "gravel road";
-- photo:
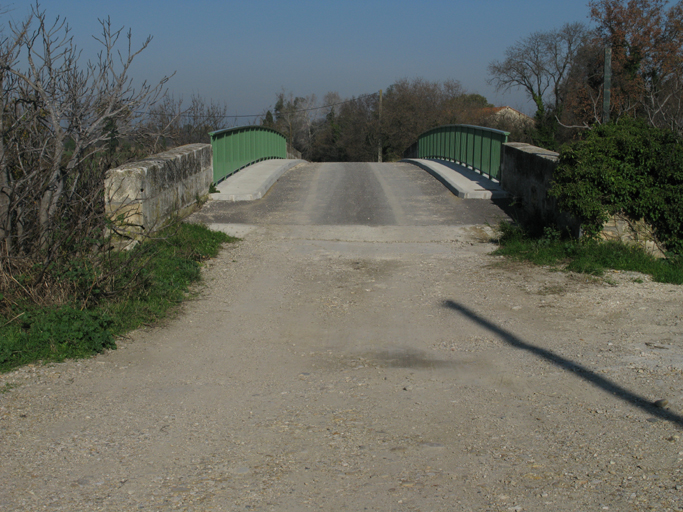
(360, 349)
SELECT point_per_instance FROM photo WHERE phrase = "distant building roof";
(504, 113)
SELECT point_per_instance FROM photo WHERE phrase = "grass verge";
(588, 257)
(159, 273)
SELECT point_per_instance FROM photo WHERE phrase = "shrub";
(626, 167)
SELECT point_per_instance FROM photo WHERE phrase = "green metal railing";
(235, 148)
(473, 146)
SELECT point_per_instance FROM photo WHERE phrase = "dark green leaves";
(627, 167)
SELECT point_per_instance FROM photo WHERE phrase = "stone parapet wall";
(527, 173)
(141, 196)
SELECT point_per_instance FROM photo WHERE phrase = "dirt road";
(361, 350)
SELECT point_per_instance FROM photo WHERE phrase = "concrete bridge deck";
(253, 182)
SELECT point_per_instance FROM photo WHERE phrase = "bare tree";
(331, 101)
(539, 64)
(170, 124)
(9, 51)
(412, 107)
(57, 115)
(647, 57)
(307, 116)
(295, 117)
(358, 128)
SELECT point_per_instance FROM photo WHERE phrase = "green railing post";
(477, 147)
(235, 148)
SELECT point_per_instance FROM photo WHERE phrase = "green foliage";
(172, 263)
(627, 167)
(147, 282)
(584, 256)
(545, 129)
(56, 334)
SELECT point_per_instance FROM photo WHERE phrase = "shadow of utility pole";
(580, 371)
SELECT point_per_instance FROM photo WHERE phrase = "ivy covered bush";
(626, 167)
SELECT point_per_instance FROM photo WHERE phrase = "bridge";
(243, 163)
(466, 159)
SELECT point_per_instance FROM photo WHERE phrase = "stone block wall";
(143, 195)
(620, 227)
(292, 153)
(527, 173)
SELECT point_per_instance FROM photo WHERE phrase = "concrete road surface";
(360, 194)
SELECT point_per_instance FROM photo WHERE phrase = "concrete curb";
(254, 181)
(463, 182)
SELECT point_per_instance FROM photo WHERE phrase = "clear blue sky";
(244, 52)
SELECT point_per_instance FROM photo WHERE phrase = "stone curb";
(253, 182)
(463, 182)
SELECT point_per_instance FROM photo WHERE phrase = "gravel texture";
(377, 369)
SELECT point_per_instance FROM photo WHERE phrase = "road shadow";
(512, 210)
(397, 357)
(408, 358)
(566, 364)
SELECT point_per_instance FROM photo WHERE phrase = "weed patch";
(154, 277)
(584, 256)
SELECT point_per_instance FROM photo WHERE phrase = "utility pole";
(379, 142)
(607, 85)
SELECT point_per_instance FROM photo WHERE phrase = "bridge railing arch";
(477, 147)
(236, 148)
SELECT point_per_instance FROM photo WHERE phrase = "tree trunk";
(5, 227)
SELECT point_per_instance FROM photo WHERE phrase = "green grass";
(156, 281)
(588, 257)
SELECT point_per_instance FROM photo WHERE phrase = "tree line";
(610, 99)
(563, 70)
(362, 127)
